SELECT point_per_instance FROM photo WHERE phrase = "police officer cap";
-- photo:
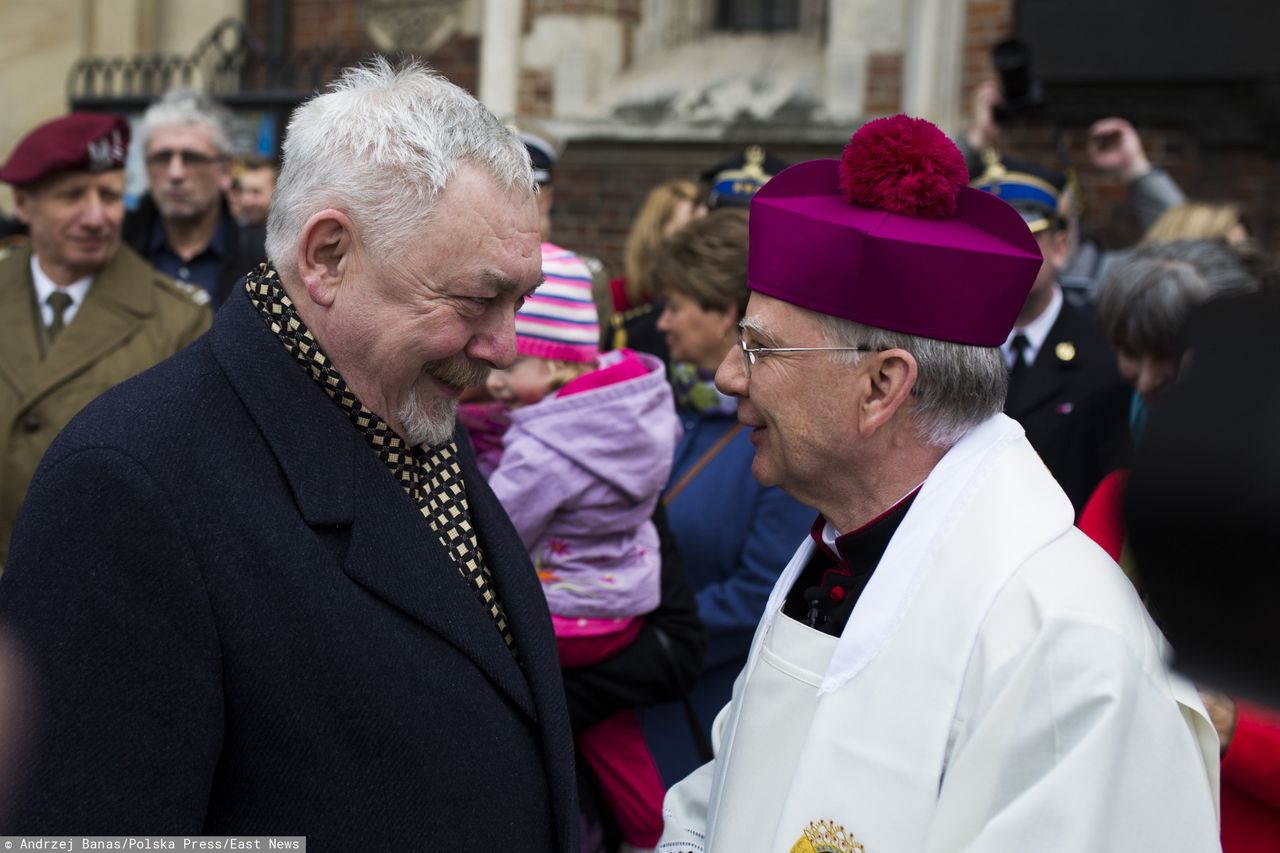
(1038, 194)
(80, 142)
(733, 182)
(541, 154)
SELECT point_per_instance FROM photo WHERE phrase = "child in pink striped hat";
(588, 451)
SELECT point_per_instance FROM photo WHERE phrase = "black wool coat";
(239, 624)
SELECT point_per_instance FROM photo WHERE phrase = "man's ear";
(325, 254)
(890, 378)
(22, 205)
(1059, 247)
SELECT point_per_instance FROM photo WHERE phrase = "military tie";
(1018, 372)
(59, 302)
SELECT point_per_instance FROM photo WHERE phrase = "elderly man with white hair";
(263, 586)
(946, 664)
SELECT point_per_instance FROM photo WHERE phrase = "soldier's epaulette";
(194, 292)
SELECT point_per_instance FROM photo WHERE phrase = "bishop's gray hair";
(958, 386)
(188, 107)
(379, 145)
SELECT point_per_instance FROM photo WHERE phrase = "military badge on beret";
(80, 142)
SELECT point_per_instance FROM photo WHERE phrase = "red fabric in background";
(1102, 518)
(1251, 766)
(1251, 783)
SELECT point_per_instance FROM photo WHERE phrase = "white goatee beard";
(429, 422)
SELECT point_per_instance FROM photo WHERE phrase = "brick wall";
(884, 84)
(1208, 173)
(600, 185)
(534, 97)
(459, 60)
(325, 25)
(333, 28)
(985, 23)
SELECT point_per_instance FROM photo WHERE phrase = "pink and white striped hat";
(559, 320)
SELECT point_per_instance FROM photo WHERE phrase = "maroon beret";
(80, 142)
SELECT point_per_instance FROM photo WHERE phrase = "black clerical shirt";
(831, 582)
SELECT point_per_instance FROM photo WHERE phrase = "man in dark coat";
(183, 225)
(1057, 357)
(263, 587)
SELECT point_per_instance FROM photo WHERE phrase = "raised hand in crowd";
(984, 131)
(1115, 147)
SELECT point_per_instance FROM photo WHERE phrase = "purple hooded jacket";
(580, 476)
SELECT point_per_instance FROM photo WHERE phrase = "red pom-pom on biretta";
(903, 165)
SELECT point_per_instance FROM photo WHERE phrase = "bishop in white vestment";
(946, 664)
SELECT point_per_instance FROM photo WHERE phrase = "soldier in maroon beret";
(78, 311)
(73, 159)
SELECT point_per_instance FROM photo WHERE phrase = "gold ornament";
(1065, 351)
(825, 836)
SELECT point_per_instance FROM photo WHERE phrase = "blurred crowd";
(623, 467)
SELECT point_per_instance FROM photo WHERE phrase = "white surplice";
(999, 687)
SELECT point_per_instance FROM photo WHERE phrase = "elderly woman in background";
(635, 301)
(734, 535)
(1143, 307)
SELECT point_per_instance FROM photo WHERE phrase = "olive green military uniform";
(132, 318)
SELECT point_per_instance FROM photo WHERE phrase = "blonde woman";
(665, 211)
(1198, 221)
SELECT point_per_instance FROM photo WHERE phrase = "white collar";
(889, 592)
(1036, 331)
(77, 290)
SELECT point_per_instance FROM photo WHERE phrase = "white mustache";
(458, 372)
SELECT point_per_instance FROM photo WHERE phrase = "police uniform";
(1068, 363)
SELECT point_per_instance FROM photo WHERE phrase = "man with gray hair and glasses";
(183, 225)
(946, 664)
(263, 586)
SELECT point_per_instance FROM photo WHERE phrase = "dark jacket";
(244, 246)
(241, 625)
(1075, 364)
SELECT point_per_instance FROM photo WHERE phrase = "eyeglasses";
(190, 159)
(751, 354)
